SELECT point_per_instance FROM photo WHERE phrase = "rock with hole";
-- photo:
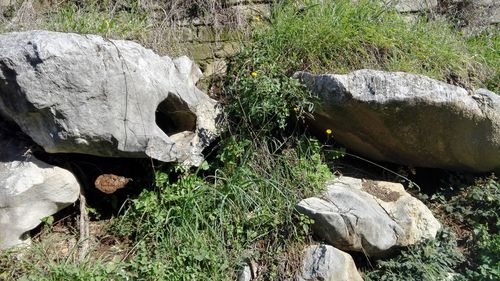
(409, 119)
(86, 94)
(29, 191)
(374, 217)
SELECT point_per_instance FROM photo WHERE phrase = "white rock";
(245, 273)
(85, 94)
(29, 191)
(325, 263)
(413, 5)
(373, 217)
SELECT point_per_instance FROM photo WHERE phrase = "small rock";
(245, 273)
(109, 183)
(326, 263)
(405, 6)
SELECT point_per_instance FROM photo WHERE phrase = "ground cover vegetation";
(238, 207)
(466, 249)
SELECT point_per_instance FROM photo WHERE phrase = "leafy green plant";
(488, 255)
(427, 261)
(244, 211)
(260, 95)
(477, 204)
(475, 208)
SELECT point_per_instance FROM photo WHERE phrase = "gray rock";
(245, 273)
(404, 6)
(373, 217)
(86, 94)
(5, 3)
(325, 263)
(475, 13)
(29, 191)
(409, 119)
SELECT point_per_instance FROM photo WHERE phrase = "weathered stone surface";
(86, 94)
(29, 191)
(200, 51)
(324, 262)
(409, 119)
(216, 67)
(474, 16)
(5, 3)
(409, 6)
(413, 5)
(245, 273)
(373, 217)
(249, 11)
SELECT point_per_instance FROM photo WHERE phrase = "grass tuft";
(338, 36)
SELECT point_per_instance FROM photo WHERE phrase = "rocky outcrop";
(86, 94)
(29, 191)
(409, 119)
(372, 217)
(324, 262)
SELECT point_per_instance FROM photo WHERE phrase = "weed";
(198, 229)
(338, 36)
(94, 19)
(477, 208)
(261, 96)
(485, 46)
(427, 261)
(474, 207)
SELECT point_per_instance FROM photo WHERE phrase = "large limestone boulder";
(29, 191)
(86, 94)
(324, 262)
(373, 217)
(409, 119)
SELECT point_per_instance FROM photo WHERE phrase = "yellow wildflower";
(328, 131)
(254, 73)
(296, 109)
(257, 18)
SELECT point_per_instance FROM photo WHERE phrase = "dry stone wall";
(210, 42)
(210, 37)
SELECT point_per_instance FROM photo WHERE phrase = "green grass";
(210, 227)
(338, 37)
(95, 18)
(486, 48)
(204, 224)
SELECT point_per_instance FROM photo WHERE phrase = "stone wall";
(212, 38)
(210, 45)
(472, 14)
(210, 42)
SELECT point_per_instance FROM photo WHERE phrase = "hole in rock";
(173, 116)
